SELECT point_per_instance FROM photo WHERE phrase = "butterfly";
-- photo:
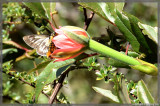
(42, 43)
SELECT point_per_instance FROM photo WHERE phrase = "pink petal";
(61, 41)
(66, 53)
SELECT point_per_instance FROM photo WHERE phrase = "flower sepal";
(145, 67)
(77, 34)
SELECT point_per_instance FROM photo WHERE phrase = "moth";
(42, 43)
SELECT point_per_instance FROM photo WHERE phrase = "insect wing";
(43, 47)
(38, 42)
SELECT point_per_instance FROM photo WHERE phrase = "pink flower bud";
(70, 42)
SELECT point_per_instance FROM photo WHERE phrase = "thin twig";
(31, 84)
(87, 20)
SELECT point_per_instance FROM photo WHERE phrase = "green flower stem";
(140, 65)
(100, 48)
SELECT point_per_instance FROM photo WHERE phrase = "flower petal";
(64, 54)
(61, 41)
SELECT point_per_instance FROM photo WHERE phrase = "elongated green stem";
(132, 62)
(100, 48)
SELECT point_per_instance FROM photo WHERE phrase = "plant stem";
(100, 48)
(136, 64)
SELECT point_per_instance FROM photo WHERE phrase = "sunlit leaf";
(104, 10)
(152, 32)
(107, 93)
(119, 5)
(143, 93)
(49, 7)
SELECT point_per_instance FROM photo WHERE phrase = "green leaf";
(152, 32)
(125, 96)
(104, 10)
(123, 24)
(49, 7)
(107, 93)
(143, 93)
(137, 32)
(40, 66)
(50, 73)
(119, 6)
(8, 51)
(37, 8)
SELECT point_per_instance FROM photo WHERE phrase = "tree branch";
(58, 86)
(60, 83)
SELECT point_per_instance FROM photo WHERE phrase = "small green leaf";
(152, 32)
(48, 7)
(107, 93)
(50, 73)
(37, 8)
(143, 93)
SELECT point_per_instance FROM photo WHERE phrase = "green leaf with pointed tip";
(123, 24)
(40, 66)
(152, 32)
(51, 72)
(37, 8)
(137, 32)
(107, 93)
(49, 7)
(143, 93)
